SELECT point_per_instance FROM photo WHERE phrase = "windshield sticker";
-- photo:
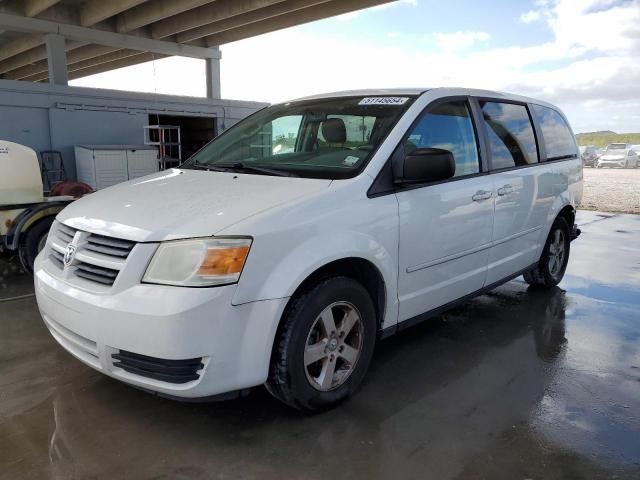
(350, 161)
(383, 101)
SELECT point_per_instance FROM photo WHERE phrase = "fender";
(306, 258)
(28, 218)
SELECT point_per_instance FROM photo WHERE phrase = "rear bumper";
(183, 331)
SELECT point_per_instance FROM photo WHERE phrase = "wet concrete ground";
(516, 384)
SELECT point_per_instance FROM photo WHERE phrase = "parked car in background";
(589, 155)
(619, 155)
(284, 269)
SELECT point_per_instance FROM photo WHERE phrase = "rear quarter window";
(557, 136)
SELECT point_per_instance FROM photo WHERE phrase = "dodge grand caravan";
(285, 248)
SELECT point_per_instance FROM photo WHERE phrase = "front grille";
(57, 257)
(103, 275)
(109, 246)
(99, 258)
(65, 233)
(170, 371)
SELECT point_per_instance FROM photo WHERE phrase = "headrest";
(334, 130)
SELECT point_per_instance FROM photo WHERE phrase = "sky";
(582, 55)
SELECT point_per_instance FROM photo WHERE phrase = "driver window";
(448, 126)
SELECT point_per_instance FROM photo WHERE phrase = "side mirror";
(424, 165)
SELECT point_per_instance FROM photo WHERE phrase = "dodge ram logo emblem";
(69, 254)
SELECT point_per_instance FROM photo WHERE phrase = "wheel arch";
(569, 214)
(28, 219)
(356, 268)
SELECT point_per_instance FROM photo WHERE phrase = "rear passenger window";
(511, 137)
(447, 126)
(558, 139)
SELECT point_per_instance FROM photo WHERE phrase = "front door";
(445, 228)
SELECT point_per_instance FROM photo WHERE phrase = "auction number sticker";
(383, 101)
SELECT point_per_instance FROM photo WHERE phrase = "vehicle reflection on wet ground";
(517, 383)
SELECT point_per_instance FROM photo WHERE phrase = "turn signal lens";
(223, 261)
(199, 262)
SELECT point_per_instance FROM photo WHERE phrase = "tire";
(32, 242)
(548, 274)
(299, 373)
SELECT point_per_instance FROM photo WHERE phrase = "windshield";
(617, 146)
(326, 138)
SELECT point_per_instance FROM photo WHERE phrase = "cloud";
(460, 40)
(413, 3)
(346, 17)
(530, 16)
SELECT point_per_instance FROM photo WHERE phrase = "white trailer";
(25, 213)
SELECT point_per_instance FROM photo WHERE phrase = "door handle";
(505, 190)
(482, 195)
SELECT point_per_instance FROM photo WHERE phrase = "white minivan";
(281, 252)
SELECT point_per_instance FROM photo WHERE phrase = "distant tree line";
(602, 139)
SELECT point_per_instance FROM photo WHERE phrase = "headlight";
(200, 262)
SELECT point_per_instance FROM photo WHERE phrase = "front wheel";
(324, 345)
(554, 259)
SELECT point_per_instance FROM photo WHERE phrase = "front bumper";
(173, 323)
(611, 163)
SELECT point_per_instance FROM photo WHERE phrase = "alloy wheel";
(333, 346)
(557, 251)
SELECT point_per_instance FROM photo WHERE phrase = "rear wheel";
(33, 242)
(324, 346)
(555, 255)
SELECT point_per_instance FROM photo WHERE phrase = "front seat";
(334, 131)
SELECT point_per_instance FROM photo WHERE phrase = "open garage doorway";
(179, 145)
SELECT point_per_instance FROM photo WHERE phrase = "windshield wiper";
(252, 168)
(208, 168)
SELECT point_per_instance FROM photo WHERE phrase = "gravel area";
(611, 190)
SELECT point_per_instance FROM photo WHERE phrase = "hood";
(183, 203)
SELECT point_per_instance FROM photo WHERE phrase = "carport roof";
(103, 35)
